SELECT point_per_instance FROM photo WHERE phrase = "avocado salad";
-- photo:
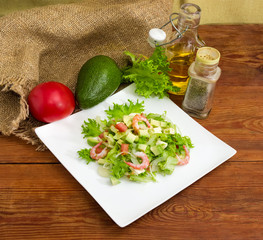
(135, 145)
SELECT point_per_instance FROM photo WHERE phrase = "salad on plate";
(134, 145)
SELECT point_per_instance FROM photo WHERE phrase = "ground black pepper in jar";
(204, 73)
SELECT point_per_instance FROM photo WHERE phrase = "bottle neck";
(184, 26)
(189, 17)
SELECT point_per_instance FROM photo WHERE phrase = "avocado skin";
(98, 78)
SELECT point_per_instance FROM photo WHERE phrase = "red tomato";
(124, 149)
(51, 101)
(121, 127)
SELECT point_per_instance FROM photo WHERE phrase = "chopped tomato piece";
(121, 127)
(124, 149)
(102, 134)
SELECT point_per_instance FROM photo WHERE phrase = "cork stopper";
(208, 55)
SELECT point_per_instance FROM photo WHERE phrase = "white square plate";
(128, 201)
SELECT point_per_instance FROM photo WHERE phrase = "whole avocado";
(98, 78)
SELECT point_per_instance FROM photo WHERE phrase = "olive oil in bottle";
(181, 52)
(179, 63)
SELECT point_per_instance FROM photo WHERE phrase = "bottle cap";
(156, 36)
(208, 55)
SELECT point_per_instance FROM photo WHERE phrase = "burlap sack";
(52, 43)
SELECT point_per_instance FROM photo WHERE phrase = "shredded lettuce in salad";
(135, 145)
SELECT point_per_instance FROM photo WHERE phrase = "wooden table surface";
(39, 199)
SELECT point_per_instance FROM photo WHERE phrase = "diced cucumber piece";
(114, 180)
(105, 134)
(162, 143)
(119, 135)
(103, 172)
(92, 141)
(163, 124)
(127, 119)
(101, 161)
(156, 130)
(113, 129)
(120, 142)
(142, 147)
(169, 131)
(131, 137)
(155, 123)
(144, 133)
(152, 139)
(110, 139)
(157, 150)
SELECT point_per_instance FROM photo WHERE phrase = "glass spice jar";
(204, 73)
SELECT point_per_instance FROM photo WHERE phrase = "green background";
(213, 11)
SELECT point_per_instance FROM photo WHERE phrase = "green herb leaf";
(167, 167)
(85, 154)
(118, 111)
(143, 177)
(150, 75)
(156, 116)
(119, 168)
(91, 128)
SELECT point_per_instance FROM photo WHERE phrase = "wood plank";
(43, 201)
(15, 150)
(239, 121)
(237, 43)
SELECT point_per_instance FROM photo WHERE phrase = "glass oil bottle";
(181, 52)
(204, 73)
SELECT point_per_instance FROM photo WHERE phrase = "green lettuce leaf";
(91, 128)
(118, 166)
(150, 75)
(85, 154)
(167, 167)
(143, 177)
(118, 111)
